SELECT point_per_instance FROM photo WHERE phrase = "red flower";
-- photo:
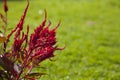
(5, 6)
(42, 42)
(25, 53)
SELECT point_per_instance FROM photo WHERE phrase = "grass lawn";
(90, 30)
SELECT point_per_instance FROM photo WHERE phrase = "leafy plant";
(25, 53)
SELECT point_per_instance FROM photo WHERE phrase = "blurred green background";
(90, 30)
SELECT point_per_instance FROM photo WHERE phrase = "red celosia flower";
(25, 53)
(42, 42)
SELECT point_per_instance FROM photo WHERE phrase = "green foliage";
(90, 29)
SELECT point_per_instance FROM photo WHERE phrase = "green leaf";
(2, 39)
(34, 75)
(9, 29)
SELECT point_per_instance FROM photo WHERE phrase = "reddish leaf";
(2, 18)
(8, 65)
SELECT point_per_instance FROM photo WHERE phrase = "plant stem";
(25, 63)
(6, 23)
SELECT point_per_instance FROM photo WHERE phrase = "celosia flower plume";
(27, 52)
